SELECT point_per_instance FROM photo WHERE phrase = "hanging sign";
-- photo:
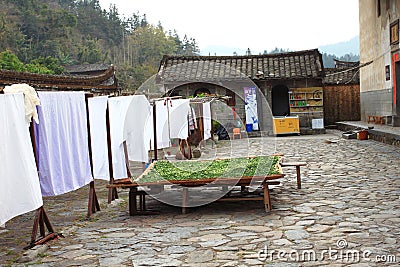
(250, 99)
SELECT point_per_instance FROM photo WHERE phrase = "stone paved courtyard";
(347, 213)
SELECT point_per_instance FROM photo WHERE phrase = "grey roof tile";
(291, 65)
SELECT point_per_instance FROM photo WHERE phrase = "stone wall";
(377, 102)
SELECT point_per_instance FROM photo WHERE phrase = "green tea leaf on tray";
(221, 168)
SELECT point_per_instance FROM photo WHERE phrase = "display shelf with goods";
(306, 100)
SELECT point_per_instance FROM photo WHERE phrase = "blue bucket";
(249, 127)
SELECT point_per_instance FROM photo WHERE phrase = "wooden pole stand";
(41, 221)
(93, 204)
(40, 224)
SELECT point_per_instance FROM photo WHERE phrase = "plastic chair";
(236, 132)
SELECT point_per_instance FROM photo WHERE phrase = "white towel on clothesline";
(207, 120)
(117, 109)
(179, 110)
(162, 129)
(137, 130)
(98, 135)
(62, 142)
(20, 188)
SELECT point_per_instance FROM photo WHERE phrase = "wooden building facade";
(342, 93)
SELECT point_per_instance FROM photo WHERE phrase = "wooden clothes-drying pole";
(197, 102)
(112, 190)
(134, 193)
(93, 203)
(155, 130)
(153, 103)
(41, 221)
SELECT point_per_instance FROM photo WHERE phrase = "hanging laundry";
(137, 129)
(192, 119)
(31, 99)
(117, 110)
(98, 135)
(178, 118)
(62, 142)
(162, 128)
(20, 188)
(207, 120)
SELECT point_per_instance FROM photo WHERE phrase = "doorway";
(280, 100)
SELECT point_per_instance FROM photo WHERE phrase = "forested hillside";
(42, 35)
(79, 31)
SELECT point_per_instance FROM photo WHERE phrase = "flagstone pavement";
(347, 213)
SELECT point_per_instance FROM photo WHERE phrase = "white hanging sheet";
(98, 134)
(207, 120)
(20, 188)
(162, 128)
(178, 118)
(137, 129)
(62, 142)
(117, 110)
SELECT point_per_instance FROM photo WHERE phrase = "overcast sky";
(256, 24)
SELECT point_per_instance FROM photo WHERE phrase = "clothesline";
(208, 99)
(62, 135)
(153, 100)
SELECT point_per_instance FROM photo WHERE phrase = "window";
(394, 32)
(387, 72)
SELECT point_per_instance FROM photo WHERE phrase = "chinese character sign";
(250, 99)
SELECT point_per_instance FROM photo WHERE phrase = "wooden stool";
(236, 132)
(379, 119)
(297, 165)
(370, 118)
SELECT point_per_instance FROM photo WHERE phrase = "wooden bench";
(376, 119)
(297, 165)
(135, 196)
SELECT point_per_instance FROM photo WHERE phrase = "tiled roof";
(291, 65)
(85, 68)
(345, 64)
(103, 82)
(342, 76)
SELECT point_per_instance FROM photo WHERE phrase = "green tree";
(10, 36)
(148, 44)
(90, 52)
(9, 61)
(50, 63)
(80, 31)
